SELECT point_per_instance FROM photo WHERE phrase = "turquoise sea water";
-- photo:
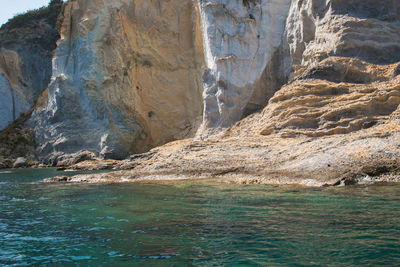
(194, 224)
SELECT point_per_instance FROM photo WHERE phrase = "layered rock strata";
(315, 105)
(129, 76)
(132, 75)
(313, 132)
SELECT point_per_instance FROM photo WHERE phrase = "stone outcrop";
(132, 75)
(241, 39)
(126, 78)
(335, 121)
(274, 91)
(17, 140)
(26, 48)
(253, 47)
(355, 28)
(20, 163)
(318, 107)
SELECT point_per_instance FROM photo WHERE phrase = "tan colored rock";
(367, 156)
(126, 78)
(313, 132)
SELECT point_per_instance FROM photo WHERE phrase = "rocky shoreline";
(275, 92)
(365, 157)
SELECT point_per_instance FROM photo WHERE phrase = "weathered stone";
(20, 163)
(5, 163)
(126, 78)
(245, 158)
(347, 70)
(396, 71)
(12, 102)
(240, 41)
(17, 140)
(318, 107)
(132, 75)
(71, 159)
(355, 28)
(25, 62)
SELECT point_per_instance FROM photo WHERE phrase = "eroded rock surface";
(366, 156)
(356, 28)
(132, 75)
(26, 48)
(334, 123)
(317, 107)
(126, 78)
(240, 41)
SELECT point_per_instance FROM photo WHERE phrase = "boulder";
(71, 159)
(20, 163)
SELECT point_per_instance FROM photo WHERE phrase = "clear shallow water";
(186, 224)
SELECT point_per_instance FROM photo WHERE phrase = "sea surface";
(189, 223)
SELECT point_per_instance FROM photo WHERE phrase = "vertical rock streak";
(240, 39)
(14, 100)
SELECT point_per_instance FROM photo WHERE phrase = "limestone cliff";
(240, 41)
(320, 79)
(334, 122)
(126, 78)
(131, 75)
(26, 46)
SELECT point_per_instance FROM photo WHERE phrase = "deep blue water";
(190, 223)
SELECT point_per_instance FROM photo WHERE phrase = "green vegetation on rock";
(32, 17)
(17, 140)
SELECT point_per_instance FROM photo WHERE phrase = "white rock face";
(12, 103)
(240, 39)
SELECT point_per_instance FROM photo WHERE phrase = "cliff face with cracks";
(26, 48)
(240, 41)
(126, 78)
(132, 75)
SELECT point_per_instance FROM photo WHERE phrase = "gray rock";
(362, 29)
(97, 100)
(396, 71)
(20, 163)
(241, 39)
(5, 163)
(71, 159)
(25, 64)
(12, 103)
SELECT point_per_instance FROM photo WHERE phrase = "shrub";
(49, 13)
